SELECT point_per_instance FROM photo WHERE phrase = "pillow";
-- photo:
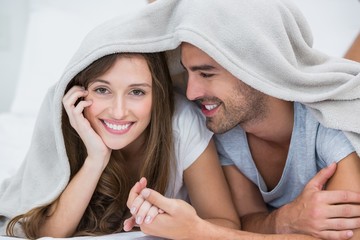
(55, 31)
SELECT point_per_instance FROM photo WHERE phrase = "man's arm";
(248, 201)
(347, 177)
(181, 222)
(314, 212)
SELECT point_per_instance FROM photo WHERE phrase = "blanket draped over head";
(265, 43)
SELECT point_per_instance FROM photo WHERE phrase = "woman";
(119, 123)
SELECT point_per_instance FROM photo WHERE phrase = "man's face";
(225, 100)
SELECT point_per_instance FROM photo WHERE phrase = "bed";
(55, 30)
(118, 236)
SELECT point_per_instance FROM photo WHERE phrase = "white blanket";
(265, 43)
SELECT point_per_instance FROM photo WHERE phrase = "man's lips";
(209, 109)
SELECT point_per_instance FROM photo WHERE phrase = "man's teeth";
(210, 107)
(117, 127)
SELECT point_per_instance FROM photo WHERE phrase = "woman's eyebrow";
(98, 80)
(140, 85)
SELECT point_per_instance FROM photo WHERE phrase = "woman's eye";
(137, 92)
(101, 90)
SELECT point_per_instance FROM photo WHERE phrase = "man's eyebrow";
(204, 67)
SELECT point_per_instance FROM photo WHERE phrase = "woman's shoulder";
(191, 136)
(188, 117)
(186, 108)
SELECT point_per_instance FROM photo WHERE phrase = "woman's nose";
(118, 108)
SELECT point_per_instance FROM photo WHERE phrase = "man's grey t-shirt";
(312, 147)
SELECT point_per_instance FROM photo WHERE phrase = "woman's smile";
(117, 127)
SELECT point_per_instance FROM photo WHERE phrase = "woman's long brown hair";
(107, 208)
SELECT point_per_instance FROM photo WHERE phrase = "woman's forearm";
(64, 217)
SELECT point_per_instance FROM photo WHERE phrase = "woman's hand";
(178, 219)
(95, 146)
(142, 211)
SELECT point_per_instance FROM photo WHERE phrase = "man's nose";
(194, 88)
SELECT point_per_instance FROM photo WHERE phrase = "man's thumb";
(157, 199)
(320, 179)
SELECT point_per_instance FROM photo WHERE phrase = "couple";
(276, 107)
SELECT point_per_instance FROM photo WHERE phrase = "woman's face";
(122, 100)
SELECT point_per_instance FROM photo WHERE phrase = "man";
(251, 66)
(266, 130)
(270, 141)
(233, 107)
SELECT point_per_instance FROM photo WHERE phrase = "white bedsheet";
(117, 236)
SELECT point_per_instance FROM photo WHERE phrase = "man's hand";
(177, 221)
(321, 213)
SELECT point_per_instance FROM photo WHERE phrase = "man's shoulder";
(304, 118)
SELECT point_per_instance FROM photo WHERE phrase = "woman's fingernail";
(148, 219)
(145, 193)
(138, 219)
(132, 210)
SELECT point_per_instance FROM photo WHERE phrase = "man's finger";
(345, 202)
(320, 179)
(342, 224)
(158, 200)
(336, 235)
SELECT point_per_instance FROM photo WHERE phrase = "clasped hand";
(175, 218)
